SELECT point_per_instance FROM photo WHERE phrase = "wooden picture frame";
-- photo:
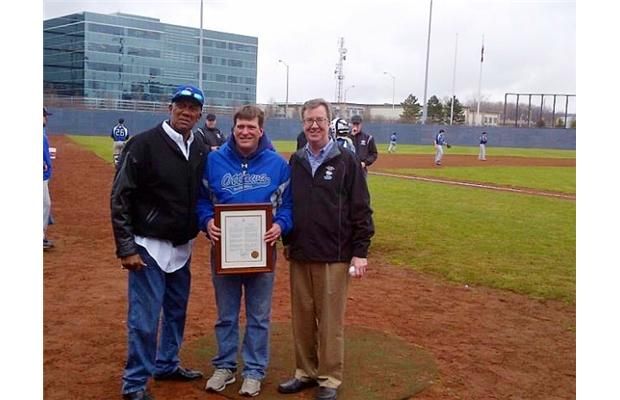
(242, 248)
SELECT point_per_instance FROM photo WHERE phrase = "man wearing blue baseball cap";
(153, 204)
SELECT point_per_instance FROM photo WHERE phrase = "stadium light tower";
(393, 86)
(428, 51)
(200, 51)
(285, 104)
(345, 92)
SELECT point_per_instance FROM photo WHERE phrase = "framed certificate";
(242, 248)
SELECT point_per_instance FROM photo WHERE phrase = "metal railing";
(88, 103)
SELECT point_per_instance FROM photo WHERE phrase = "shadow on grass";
(378, 366)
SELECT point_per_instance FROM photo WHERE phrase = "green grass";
(100, 145)
(525, 244)
(560, 179)
(520, 243)
(473, 150)
(392, 368)
(288, 146)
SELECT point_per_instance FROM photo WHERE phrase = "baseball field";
(472, 275)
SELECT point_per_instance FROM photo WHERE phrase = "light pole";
(286, 104)
(345, 100)
(345, 92)
(393, 86)
(428, 52)
(200, 51)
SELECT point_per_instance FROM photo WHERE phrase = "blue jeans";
(151, 293)
(257, 289)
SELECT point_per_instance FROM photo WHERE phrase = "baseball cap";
(45, 112)
(356, 119)
(210, 117)
(189, 92)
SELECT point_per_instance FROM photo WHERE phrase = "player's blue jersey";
(483, 139)
(119, 133)
(439, 139)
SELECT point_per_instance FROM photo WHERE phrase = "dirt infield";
(488, 344)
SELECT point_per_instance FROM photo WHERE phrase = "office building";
(128, 57)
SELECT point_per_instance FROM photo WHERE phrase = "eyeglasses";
(311, 121)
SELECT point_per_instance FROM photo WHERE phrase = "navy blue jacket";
(332, 214)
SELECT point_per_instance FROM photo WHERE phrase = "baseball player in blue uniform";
(392, 146)
(120, 135)
(482, 155)
(440, 141)
(47, 174)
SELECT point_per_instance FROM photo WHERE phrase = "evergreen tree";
(458, 116)
(435, 110)
(411, 109)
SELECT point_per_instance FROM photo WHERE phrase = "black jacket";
(332, 218)
(155, 191)
(212, 136)
(301, 140)
(365, 147)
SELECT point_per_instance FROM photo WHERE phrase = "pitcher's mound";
(377, 365)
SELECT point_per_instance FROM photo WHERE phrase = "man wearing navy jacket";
(328, 244)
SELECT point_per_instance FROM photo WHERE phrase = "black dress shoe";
(180, 374)
(295, 385)
(325, 393)
(139, 395)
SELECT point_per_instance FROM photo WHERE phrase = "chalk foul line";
(476, 185)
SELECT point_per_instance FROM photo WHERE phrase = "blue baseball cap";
(189, 92)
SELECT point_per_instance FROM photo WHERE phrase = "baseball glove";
(448, 146)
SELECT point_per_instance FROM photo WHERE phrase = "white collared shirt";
(178, 139)
(168, 257)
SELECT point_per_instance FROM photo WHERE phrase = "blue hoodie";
(231, 178)
(47, 160)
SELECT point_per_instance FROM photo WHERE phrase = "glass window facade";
(128, 57)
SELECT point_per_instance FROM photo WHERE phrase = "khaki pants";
(318, 300)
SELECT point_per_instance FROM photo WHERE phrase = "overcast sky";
(530, 46)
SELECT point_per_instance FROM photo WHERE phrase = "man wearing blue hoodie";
(47, 174)
(244, 170)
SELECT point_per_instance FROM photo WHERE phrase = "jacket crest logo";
(329, 173)
(239, 182)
